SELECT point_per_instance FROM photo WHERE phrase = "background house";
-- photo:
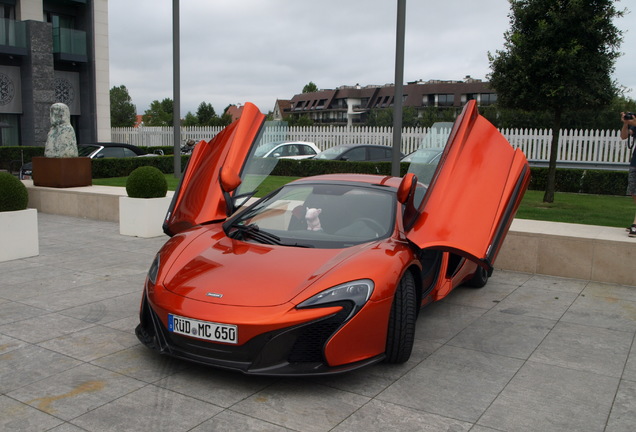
(351, 104)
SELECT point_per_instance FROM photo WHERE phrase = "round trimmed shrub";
(146, 182)
(13, 193)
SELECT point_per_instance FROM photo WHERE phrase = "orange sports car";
(328, 273)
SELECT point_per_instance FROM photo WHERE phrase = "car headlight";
(356, 292)
(154, 269)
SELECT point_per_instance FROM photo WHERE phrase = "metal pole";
(176, 89)
(399, 78)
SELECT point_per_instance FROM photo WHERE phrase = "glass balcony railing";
(12, 34)
(69, 42)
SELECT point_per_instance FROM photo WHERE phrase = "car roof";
(369, 179)
(348, 146)
(134, 148)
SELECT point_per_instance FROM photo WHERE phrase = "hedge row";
(122, 167)
(12, 157)
(599, 182)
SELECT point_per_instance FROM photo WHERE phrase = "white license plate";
(203, 329)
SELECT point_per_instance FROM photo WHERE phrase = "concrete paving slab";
(504, 334)
(454, 382)
(528, 352)
(551, 398)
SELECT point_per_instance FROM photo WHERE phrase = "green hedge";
(122, 167)
(11, 157)
(597, 182)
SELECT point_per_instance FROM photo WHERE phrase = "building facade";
(351, 104)
(53, 51)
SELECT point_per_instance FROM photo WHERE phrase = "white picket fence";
(593, 147)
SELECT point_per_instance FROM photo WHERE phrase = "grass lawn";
(604, 210)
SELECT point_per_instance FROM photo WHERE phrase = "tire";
(479, 279)
(401, 332)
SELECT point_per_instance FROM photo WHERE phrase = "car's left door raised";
(475, 192)
(213, 173)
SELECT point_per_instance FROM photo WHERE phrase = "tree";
(310, 88)
(122, 111)
(159, 113)
(190, 120)
(558, 57)
(206, 114)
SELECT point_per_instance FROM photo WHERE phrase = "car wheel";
(479, 279)
(401, 334)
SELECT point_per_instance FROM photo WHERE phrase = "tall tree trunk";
(548, 197)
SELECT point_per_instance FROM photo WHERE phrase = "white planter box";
(19, 234)
(142, 217)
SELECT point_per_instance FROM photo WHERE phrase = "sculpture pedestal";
(62, 172)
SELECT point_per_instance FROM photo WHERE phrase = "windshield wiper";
(253, 231)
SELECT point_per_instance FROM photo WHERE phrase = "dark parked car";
(97, 151)
(358, 152)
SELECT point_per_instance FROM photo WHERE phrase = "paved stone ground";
(525, 353)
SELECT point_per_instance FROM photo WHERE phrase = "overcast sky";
(237, 51)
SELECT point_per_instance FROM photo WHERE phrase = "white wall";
(102, 78)
(29, 10)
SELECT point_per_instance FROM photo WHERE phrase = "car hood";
(216, 269)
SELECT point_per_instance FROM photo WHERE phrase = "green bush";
(122, 167)
(12, 157)
(597, 182)
(146, 182)
(13, 194)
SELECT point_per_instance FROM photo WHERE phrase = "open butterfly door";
(212, 174)
(475, 192)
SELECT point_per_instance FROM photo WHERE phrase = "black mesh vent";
(312, 339)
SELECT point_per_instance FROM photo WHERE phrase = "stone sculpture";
(61, 141)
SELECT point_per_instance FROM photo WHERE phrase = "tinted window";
(379, 154)
(128, 152)
(110, 152)
(356, 154)
(306, 150)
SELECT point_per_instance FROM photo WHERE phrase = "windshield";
(86, 150)
(263, 149)
(424, 160)
(257, 168)
(330, 153)
(318, 215)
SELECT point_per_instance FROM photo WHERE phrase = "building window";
(487, 99)
(445, 100)
(9, 130)
(428, 100)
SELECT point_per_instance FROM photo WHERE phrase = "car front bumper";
(292, 351)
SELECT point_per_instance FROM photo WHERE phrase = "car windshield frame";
(350, 213)
(86, 150)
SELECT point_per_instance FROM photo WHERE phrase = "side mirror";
(406, 188)
(405, 195)
(230, 180)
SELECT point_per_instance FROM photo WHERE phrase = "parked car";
(288, 150)
(358, 152)
(424, 155)
(97, 151)
(328, 273)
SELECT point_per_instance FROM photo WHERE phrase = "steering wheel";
(373, 224)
